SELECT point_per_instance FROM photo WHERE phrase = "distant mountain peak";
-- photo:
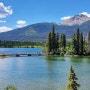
(76, 20)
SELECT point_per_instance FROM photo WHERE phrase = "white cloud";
(5, 29)
(2, 21)
(85, 13)
(5, 10)
(66, 17)
(21, 23)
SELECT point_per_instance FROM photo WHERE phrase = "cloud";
(66, 17)
(85, 13)
(2, 21)
(21, 23)
(5, 29)
(5, 10)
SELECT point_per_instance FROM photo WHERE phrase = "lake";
(42, 72)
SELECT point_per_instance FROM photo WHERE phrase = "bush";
(10, 87)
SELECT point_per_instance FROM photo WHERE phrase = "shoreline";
(40, 54)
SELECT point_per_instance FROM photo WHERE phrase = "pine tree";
(53, 40)
(63, 41)
(72, 84)
(77, 44)
(81, 44)
(49, 46)
(61, 45)
(57, 43)
(74, 42)
(89, 41)
(84, 46)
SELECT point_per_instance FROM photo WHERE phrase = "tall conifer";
(63, 41)
(89, 41)
(78, 41)
(72, 84)
(49, 43)
(81, 44)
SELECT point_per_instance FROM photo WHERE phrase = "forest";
(19, 44)
(59, 45)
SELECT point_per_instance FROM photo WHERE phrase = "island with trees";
(59, 45)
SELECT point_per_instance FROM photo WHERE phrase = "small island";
(58, 44)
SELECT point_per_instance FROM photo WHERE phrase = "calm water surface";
(43, 72)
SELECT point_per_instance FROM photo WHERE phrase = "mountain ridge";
(39, 31)
(76, 20)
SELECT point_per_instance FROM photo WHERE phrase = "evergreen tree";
(57, 44)
(61, 36)
(89, 41)
(53, 40)
(78, 42)
(49, 43)
(74, 44)
(81, 44)
(84, 46)
(62, 41)
(72, 84)
(57, 41)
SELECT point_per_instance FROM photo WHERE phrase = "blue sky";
(18, 13)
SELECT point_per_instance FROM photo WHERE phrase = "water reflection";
(55, 70)
(87, 60)
(55, 58)
(43, 73)
(52, 58)
(51, 62)
(76, 59)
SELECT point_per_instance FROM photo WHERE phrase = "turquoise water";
(43, 72)
(20, 50)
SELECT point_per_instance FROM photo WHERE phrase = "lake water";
(42, 72)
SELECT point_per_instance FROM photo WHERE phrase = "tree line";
(58, 44)
(20, 44)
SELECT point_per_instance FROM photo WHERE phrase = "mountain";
(76, 20)
(34, 32)
(39, 31)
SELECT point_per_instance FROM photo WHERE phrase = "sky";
(20, 13)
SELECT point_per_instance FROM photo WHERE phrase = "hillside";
(39, 31)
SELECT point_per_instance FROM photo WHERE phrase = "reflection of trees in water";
(52, 66)
(88, 60)
(52, 58)
(51, 72)
(76, 59)
(80, 60)
(55, 58)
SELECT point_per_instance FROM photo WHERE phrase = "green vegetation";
(18, 44)
(60, 46)
(89, 42)
(72, 84)
(10, 87)
(78, 43)
(53, 42)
